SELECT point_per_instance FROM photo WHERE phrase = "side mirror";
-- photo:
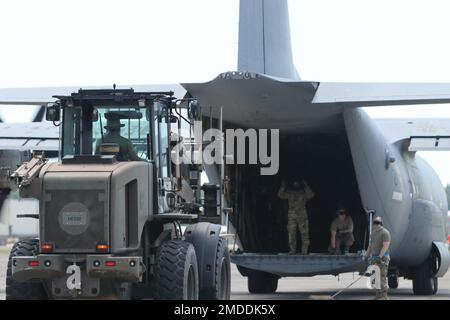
(52, 112)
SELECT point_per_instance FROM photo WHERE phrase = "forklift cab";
(91, 118)
(100, 126)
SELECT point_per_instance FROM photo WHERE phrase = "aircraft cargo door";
(382, 181)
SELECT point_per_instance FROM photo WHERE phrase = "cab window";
(125, 126)
(120, 126)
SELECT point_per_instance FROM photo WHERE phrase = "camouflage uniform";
(377, 239)
(344, 234)
(383, 264)
(297, 216)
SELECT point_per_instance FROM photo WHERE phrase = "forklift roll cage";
(77, 126)
(86, 101)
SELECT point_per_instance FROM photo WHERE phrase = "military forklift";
(115, 227)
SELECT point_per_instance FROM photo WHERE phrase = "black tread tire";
(393, 281)
(435, 285)
(261, 282)
(424, 283)
(26, 290)
(222, 285)
(175, 263)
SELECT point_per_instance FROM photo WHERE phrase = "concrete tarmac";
(301, 288)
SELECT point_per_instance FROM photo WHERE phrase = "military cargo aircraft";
(372, 168)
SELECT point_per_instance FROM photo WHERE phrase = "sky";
(101, 42)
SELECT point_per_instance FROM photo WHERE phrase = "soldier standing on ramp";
(297, 196)
(378, 254)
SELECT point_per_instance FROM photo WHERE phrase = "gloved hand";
(375, 259)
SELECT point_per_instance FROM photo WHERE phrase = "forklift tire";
(222, 283)
(23, 290)
(175, 274)
(424, 282)
(213, 260)
(261, 282)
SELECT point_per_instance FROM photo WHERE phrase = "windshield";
(123, 127)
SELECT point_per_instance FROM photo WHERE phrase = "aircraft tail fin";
(265, 39)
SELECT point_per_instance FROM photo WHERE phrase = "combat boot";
(377, 296)
(381, 296)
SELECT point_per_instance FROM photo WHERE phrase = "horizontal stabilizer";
(261, 101)
(381, 94)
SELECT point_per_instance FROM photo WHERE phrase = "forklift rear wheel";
(261, 282)
(26, 290)
(175, 272)
(222, 287)
(213, 260)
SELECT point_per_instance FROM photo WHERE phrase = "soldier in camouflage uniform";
(341, 232)
(378, 254)
(297, 196)
(126, 148)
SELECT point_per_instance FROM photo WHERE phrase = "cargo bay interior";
(325, 162)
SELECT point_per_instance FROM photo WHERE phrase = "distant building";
(10, 225)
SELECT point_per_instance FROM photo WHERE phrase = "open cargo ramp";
(285, 265)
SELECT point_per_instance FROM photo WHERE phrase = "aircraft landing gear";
(424, 281)
(393, 281)
(393, 276)
(262, 283)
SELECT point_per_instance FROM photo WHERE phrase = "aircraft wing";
(37, 136)
(41, 96)
(425, 134)
(44, 136)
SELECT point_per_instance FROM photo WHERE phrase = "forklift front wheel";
(175, 272)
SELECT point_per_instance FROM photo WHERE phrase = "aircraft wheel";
(435, 285)
(23, 290)
(175, 272)
(261, 282)
(393, 281)
(424, 283)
